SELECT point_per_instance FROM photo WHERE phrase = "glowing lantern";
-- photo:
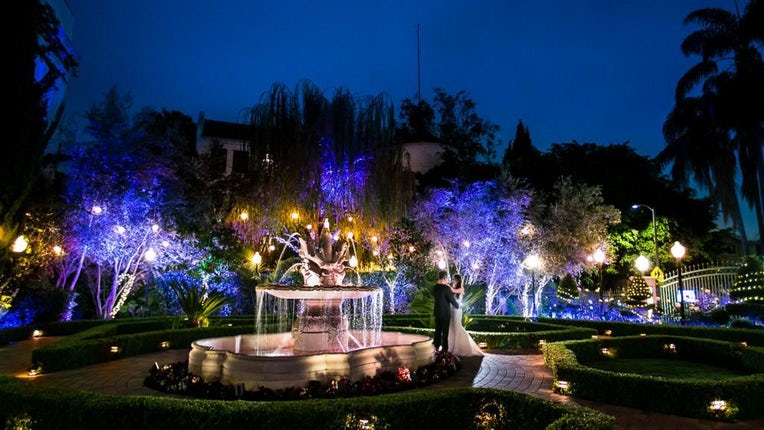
(150, 255)
(642, 263)
(257, 259)
(20, 244)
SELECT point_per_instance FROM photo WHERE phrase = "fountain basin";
(335, 292)
(232, 360)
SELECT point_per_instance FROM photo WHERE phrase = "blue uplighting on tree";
(475, 229)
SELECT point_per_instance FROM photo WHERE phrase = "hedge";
(501, 332)
(754, 337)
(665, 395)
(442, 408)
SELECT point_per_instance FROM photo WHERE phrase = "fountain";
(325, 330)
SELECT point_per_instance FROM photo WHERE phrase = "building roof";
(226, 130)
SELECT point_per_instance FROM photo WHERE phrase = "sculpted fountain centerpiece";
(321, 330)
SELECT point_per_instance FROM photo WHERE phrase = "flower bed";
(737, 397)
(175, 379)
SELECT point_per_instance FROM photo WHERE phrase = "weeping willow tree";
(325, 157)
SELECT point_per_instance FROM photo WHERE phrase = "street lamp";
(655, 234)
(642, 264)
(532, 262)
(599, 258)
(678, 252)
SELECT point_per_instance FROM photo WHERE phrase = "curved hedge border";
(753, 337)
(446, 408)
(671, 396)
(499, 332)
(132, 337)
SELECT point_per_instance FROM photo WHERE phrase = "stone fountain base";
(232, 360)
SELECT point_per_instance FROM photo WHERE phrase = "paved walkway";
(522, 373)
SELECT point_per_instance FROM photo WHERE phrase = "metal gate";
(697, 280)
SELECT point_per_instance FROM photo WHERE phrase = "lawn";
(668, 368)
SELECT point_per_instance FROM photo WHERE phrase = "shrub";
(749, 282)
(720, 316)
(567, 288)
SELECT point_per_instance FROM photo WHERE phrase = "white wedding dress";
(460, 342)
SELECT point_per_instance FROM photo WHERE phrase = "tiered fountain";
(325, 330)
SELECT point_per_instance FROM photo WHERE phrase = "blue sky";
(600, 71)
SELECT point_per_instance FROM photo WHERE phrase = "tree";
(749, 282)
(467, 139)
(40, 60)
(566, 227)
(521, 159)
(474, 229)
(567, 288)
(116, 229)
(729, 110)
(326, 157)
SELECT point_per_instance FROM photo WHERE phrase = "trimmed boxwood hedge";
(666, 395)
(499, 332)
(94, 346)
(754, 337)
(445, 408)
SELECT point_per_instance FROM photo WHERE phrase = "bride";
(459, 341)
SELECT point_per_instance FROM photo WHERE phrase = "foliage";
(441, 408)
(568, 362)
(718, 112)
(175, 379)
(637, 290)
(116, 229)
(40, 61)
(474, 228)
(198, 303)
(749, 281)
(329, 157)
(567, 288)
(570, 224)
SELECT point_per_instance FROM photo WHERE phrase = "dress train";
(460, 342)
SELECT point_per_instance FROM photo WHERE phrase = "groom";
(442, 311)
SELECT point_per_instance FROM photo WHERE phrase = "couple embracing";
(450, 334)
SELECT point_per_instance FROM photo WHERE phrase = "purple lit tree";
(474, 229)
(115, 230)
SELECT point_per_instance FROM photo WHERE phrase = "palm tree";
(701, 150)
(705, 132)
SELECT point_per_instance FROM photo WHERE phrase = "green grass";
(667, 368)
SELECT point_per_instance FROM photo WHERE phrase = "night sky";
(600, 71)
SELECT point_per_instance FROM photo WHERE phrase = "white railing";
(713, 278)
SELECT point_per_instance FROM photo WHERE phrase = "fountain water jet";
(324, 330)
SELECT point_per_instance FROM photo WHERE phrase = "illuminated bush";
(749, 282)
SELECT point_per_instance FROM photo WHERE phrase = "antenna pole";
(418, 67)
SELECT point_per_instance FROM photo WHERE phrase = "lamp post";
(532, 262)
(599, 258)
(678, 252)
(642, 264)
(655, 234)
(257, 260)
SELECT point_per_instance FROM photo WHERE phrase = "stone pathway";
(522, 373)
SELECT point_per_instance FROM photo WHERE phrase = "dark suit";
(444, 299)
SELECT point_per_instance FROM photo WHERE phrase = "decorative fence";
(697, 282)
